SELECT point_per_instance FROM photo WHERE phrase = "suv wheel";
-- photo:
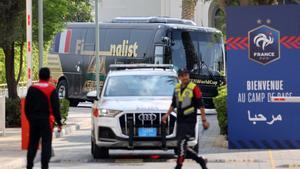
(99, 152)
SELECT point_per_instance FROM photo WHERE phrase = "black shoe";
(178, 166)
(202, 162)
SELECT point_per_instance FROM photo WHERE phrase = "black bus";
(157, 40)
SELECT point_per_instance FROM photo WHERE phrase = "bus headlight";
(108, 113)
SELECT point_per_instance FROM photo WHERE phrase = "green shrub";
(221, 107)
(12, 112)
(64, 109)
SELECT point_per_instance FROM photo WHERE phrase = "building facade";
(206, 10)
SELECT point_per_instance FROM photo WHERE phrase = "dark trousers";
(39, 129)
(184, 133)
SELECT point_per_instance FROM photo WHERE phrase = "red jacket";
(42, 103)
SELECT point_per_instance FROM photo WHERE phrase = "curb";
(15, 164)
(220, 141)
(70, 128)
(20, 162)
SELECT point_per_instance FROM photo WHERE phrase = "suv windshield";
(200, 52)
(140, 85)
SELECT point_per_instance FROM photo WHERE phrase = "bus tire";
(74, 102)
(175, 151)
(62, 89)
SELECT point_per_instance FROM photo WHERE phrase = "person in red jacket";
(42, 111)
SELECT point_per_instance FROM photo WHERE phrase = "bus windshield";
(200, 52)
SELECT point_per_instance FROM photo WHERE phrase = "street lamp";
(41, 30)
(97, 47)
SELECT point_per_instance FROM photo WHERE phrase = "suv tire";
(99, 152)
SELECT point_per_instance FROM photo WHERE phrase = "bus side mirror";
(166, 40)
(92, 96)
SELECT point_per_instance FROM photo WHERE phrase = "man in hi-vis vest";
(187, 99)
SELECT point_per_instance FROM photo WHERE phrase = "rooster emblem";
(261, 40)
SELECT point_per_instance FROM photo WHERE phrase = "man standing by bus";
(42, 110)
(187, 99)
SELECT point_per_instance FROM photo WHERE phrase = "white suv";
(128, 114)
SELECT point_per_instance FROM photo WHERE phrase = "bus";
(125, 40)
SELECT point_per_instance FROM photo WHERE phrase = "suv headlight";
(108, 113)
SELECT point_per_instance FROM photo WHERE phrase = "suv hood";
(134, 104)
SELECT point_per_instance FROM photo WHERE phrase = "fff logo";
(264, 45)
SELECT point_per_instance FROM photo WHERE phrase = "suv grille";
(152, 120)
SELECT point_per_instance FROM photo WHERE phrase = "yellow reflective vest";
(184, 99)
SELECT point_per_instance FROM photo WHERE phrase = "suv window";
(140, 85)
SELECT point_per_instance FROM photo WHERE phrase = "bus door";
(71, 59)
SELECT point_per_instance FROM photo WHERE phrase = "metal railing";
(21, 89)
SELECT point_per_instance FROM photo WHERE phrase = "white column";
(2, 114)
(29, 40)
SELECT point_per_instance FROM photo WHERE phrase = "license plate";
(147, 132)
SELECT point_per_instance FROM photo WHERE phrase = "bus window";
(178, 54)
(77, 38)
(117, 42)
(200, 52)
(144, 39)
(89, 41)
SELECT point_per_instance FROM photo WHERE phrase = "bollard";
(2, 114)
(24, 125)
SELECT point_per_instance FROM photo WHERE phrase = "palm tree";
(224, 3)
(188, 9)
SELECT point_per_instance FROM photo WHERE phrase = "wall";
(109, 9)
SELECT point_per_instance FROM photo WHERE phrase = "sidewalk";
(11, 155)
(75, 150)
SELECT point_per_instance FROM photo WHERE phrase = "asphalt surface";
(73, 152)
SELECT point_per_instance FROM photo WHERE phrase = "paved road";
(73, 152)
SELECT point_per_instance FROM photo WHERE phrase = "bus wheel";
(62, 89)
(74, 102)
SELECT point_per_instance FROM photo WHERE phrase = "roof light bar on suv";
(140, 66)
(152, 19)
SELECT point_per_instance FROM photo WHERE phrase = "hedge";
(221, 107)
(64, 109)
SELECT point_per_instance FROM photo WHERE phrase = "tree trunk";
(222, 4)
(267, 2)
(188, 9)
(21, 62)
(10, 70)
(244, 2)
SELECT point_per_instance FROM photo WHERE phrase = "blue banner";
(263, 57)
